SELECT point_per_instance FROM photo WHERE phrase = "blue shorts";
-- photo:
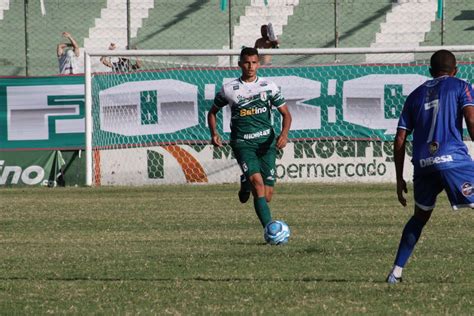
(457, 182)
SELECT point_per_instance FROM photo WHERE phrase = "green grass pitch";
(184, 250)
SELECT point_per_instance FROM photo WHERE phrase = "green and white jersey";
(251, 104)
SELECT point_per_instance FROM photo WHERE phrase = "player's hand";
(216, 140)
(401, 188)
(282, 140)
(66, 34)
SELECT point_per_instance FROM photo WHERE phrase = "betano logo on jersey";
(252, 111)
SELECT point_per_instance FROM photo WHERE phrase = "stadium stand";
(4, 5)
(199, 24)
(404, 26)
(184, 24)
(12, 45)
(458, 30)
(358, 21)
(187, 24)
(259, 13)
(313, 25)
(308, 17)
(111, 26)
(45, 31)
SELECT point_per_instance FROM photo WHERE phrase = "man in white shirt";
(67, 55)
(120, 64)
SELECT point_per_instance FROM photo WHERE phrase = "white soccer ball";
(277, 233)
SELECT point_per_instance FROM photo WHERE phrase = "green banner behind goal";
(148, 126)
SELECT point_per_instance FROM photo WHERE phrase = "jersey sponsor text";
(257, 134)
(252, 111)
(435, 160)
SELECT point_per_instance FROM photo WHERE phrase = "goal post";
(146, 125)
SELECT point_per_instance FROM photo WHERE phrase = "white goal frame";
(224, 52)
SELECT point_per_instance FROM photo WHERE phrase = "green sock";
(262, 210)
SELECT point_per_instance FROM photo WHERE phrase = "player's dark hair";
(248, 51)
(442, 62)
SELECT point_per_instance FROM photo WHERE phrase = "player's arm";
(399, 158)
(468, 112)
(282, 139)
(212, 123)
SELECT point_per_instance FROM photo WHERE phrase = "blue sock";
(411, 234)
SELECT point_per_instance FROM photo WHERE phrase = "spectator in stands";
(120, 64)
(266, 42)
(67, 55)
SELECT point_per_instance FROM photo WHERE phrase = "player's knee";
(258, 185)
(422, 215)
(257, 181)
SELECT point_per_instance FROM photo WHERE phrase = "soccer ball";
(277, 233)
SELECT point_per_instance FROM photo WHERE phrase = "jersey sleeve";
(277, 98)
(220, 100)
(465, 98)
(405, 121)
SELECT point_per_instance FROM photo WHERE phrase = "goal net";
(146, 120)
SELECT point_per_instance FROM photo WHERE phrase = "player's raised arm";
(212, 123)
(399, 158)
(468, 112)
(286, 124)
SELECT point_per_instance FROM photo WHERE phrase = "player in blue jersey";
(434, 113)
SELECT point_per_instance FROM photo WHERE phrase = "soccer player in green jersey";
(252, 136)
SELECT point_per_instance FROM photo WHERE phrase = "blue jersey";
(434, 113)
